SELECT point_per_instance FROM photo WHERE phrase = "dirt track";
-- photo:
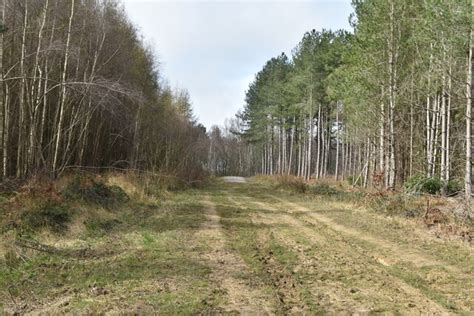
(248, 248)
(316, 260)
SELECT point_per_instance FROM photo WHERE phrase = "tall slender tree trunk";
(392, 96)
(412, 120)
(359, 159)
(22, 110)
(443, 132)
(32, 153)
(428, 120)
(436, 134)
(309, 156)
(271, 147)
(318, 152)
(382, 154)
(62, 103)
(327, 155)
(367, 163)
(351, 159)
(304, 153)
(448, 129)
(284, 145)
(45, 92)
(343, 162)
(280, 147)
(298, 172)
(310, 138)
(323, 145)
(468, 175)
(292, 141)
(3, 104)
(337, 141)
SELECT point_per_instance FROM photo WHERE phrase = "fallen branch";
(35, 245)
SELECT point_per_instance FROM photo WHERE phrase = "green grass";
(420, 283)
(145, 256)
(243, 235)
(129, 246)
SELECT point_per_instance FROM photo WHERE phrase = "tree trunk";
(62, 103)
(337, 141)
(428, 120)
(467, 178)
(412, 120)
(32, 153)
(392, 97)
(448, 129)
(435, 133)
(318, 150)
(327, 154)
(292, 140)
(382, 137)
(22, 110)
(3, 106)
(443, 131)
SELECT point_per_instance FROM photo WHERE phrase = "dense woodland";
(80, 88)
(389, 101)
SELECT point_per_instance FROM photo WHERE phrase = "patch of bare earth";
(286, 286)
(229, 271)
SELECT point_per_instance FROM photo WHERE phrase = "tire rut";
(396, 254)
(332, 294)
(390, 255)
(287, 288)
(229, 271)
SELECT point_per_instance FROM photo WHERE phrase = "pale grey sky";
(214, 48)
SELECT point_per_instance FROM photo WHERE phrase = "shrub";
(323, 189)
(51, 215)
(93, 191)
(291, 183)
(414, 183)
(354, 181)
(432, 185)
(100, 225)
(453, 187)
(392, 204)
(421, 184)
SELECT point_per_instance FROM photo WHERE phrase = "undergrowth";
(329, 191)
(292, 184)
(419, 183)
(402, 204)
(93, 233)
(90, 190)
(50, 215)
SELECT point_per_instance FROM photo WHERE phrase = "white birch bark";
(467, 178)
(63, 92)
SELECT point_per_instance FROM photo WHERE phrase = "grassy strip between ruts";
(273, 263)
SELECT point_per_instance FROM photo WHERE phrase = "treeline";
(389, 101)
(80, 88)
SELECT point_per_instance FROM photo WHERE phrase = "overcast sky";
(214, 48)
